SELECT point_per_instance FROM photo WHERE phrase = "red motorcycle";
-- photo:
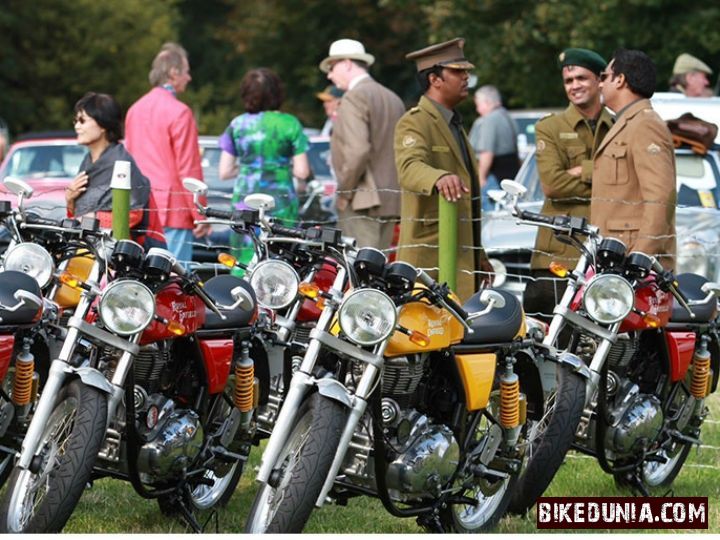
(651, 343)
(154, 384)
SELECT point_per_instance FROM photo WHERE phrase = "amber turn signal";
(309, 290)
(66, 278)
(176, 328)
(418, 338)
(653, 321)
(227, 260)
(558, 269)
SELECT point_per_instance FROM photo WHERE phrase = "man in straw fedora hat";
(368, 200)
(433, 158)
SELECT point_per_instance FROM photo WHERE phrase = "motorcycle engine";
(427, 456)
(636, 420)
(173, 438)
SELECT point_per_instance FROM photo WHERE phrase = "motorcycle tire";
(70, 443)
(659, 475)
(306, 460)
(549, 439)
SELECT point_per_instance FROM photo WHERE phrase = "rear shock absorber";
(700, 370)
(245, 388)
(511, 408)
(23, 380)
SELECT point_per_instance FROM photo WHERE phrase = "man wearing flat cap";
(368, 197)
(690, 76)
(434, 158)
(565, 146)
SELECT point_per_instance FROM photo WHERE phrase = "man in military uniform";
(633, 192)
(433, 158)
(565, 145)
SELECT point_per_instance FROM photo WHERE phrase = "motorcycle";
(404, 396)
(650, 340)
(154, 384)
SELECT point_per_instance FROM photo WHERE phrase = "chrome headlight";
(275, 284)
(367, 316)
(31, 259)
(608, 298)
(127, 307)
(692, 257)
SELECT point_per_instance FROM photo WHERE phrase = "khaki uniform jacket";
(425, 150)
(362, 148)
(564, 141)
(633, 191)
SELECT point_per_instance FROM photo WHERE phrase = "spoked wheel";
(491, 495)
(42, 501)
(286, 505)
(549, 439)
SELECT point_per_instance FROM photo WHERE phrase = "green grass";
(111, 506)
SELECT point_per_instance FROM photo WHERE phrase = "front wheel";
(549, 439)
(42, 501)
(286, 505)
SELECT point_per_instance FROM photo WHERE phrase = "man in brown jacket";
(633, 192)
(368, 199)
(434, 158)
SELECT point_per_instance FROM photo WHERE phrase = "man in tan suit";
(361, 150)
(633, 190)
(434, 158)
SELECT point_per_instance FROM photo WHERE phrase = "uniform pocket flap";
(618, 151)
(625, 224)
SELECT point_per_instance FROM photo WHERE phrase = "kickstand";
(431, 522)
(637, 485)
(212, 517)
(188, 516)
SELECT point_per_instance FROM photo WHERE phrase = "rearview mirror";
(513, 188)
(488, 296)
(195, 186)
(260, 201)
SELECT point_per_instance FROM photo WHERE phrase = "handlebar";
(34, 219)
(291, 232)
(219, 214)
(668, 278)
(444, 293)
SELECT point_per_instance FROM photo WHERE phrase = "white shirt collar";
(357, 79)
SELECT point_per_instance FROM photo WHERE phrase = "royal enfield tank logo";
(435, 328)
(182, 311)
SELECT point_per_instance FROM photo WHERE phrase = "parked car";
(510, 245)
(525, 120)
(48, 162)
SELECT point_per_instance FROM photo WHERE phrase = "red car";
(46, 161)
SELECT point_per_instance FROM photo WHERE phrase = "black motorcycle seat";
(499, 326)
(11, 281)
(690, 286)
(219, 288)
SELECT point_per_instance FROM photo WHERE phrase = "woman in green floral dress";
(262, 149)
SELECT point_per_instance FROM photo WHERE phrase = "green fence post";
(120, 185)
(447, 242)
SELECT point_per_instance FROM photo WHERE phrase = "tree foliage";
(53, 51)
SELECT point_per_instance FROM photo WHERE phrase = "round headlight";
(275, 284)
(367, 316)
(127, 307)
(608, 298)
(31, 259)
(692, 257)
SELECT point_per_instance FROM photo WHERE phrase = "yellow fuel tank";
(436, 323)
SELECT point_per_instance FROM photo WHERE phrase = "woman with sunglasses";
(98, 125)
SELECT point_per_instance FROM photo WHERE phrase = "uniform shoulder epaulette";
(414, 110)
(548, 115)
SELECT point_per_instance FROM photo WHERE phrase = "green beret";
(583, 58)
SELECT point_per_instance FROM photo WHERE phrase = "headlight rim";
(112, 288)
(258, 293)
(361, 291)
(598, 279)
(14, 250)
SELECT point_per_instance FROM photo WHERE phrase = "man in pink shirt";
(161, 134)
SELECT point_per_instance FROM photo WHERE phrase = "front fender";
(92, 377)
(332, 389)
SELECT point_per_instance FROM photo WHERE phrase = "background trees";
(53, 51)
